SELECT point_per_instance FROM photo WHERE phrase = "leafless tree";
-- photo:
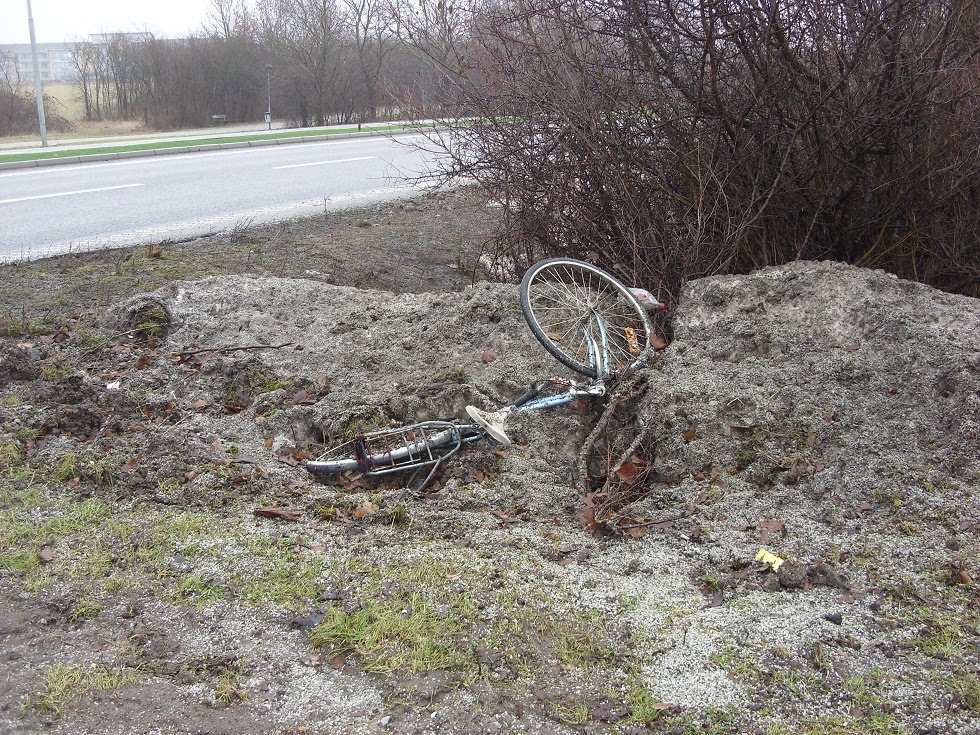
(674, 138)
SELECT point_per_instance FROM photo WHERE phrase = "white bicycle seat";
(494, 423)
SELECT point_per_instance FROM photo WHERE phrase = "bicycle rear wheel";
(565, 300)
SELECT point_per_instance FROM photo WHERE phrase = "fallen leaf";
(690, 434)
(279, 513)
(961, 576)
(628, 473)
(302, 398)
(365, 510)
(717, 599)
(770, 526)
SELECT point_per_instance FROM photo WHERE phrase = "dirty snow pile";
(825, 413)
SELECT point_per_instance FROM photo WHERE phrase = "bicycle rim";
(563, 300)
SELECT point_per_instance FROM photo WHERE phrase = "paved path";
(222, 131)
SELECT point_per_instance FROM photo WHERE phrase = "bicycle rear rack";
(416, 446)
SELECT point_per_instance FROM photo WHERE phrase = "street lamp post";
(268, 80)
(38, 93)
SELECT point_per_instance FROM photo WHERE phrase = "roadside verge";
(189, 145)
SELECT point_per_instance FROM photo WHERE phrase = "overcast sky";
(66, 20)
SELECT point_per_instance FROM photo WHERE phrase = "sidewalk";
(199, 139)
(216, 131)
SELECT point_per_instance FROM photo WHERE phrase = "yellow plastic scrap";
(767, 557)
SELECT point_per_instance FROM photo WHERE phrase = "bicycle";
(584, 317)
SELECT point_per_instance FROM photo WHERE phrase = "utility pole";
(38, 94)
(268, 109)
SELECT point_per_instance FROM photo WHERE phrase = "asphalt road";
(45, 211)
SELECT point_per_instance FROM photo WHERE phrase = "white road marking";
(68, 193)
(198, 227)
(321, 163)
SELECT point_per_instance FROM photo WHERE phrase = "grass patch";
(63, 683)
(403, 633)
(966, 686)
(230, 688)
(282, 575)
(183, 143)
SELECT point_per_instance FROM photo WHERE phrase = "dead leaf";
(279, 513)
(365, 510)
(586, 515)
(769, 526)
(716, 599)
(690, 434)
(961, 576)
(628, 473)
(858, 510)
(302, 398)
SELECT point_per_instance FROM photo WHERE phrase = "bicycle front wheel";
(569, 303)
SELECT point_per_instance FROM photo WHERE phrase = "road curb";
(65, 160)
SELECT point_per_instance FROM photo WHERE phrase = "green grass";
(165, 144)
(63, 682)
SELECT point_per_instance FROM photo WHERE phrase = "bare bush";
(18, 108)
(670, 139)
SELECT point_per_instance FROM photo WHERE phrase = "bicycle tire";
(560, 298)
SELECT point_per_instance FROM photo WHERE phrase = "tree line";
(663, 139)
(670, 139)
(320, 62)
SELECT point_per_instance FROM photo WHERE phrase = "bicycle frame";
(428, 444)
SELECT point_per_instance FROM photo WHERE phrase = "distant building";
(53, 58)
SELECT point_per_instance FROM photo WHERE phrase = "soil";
(167, 565)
